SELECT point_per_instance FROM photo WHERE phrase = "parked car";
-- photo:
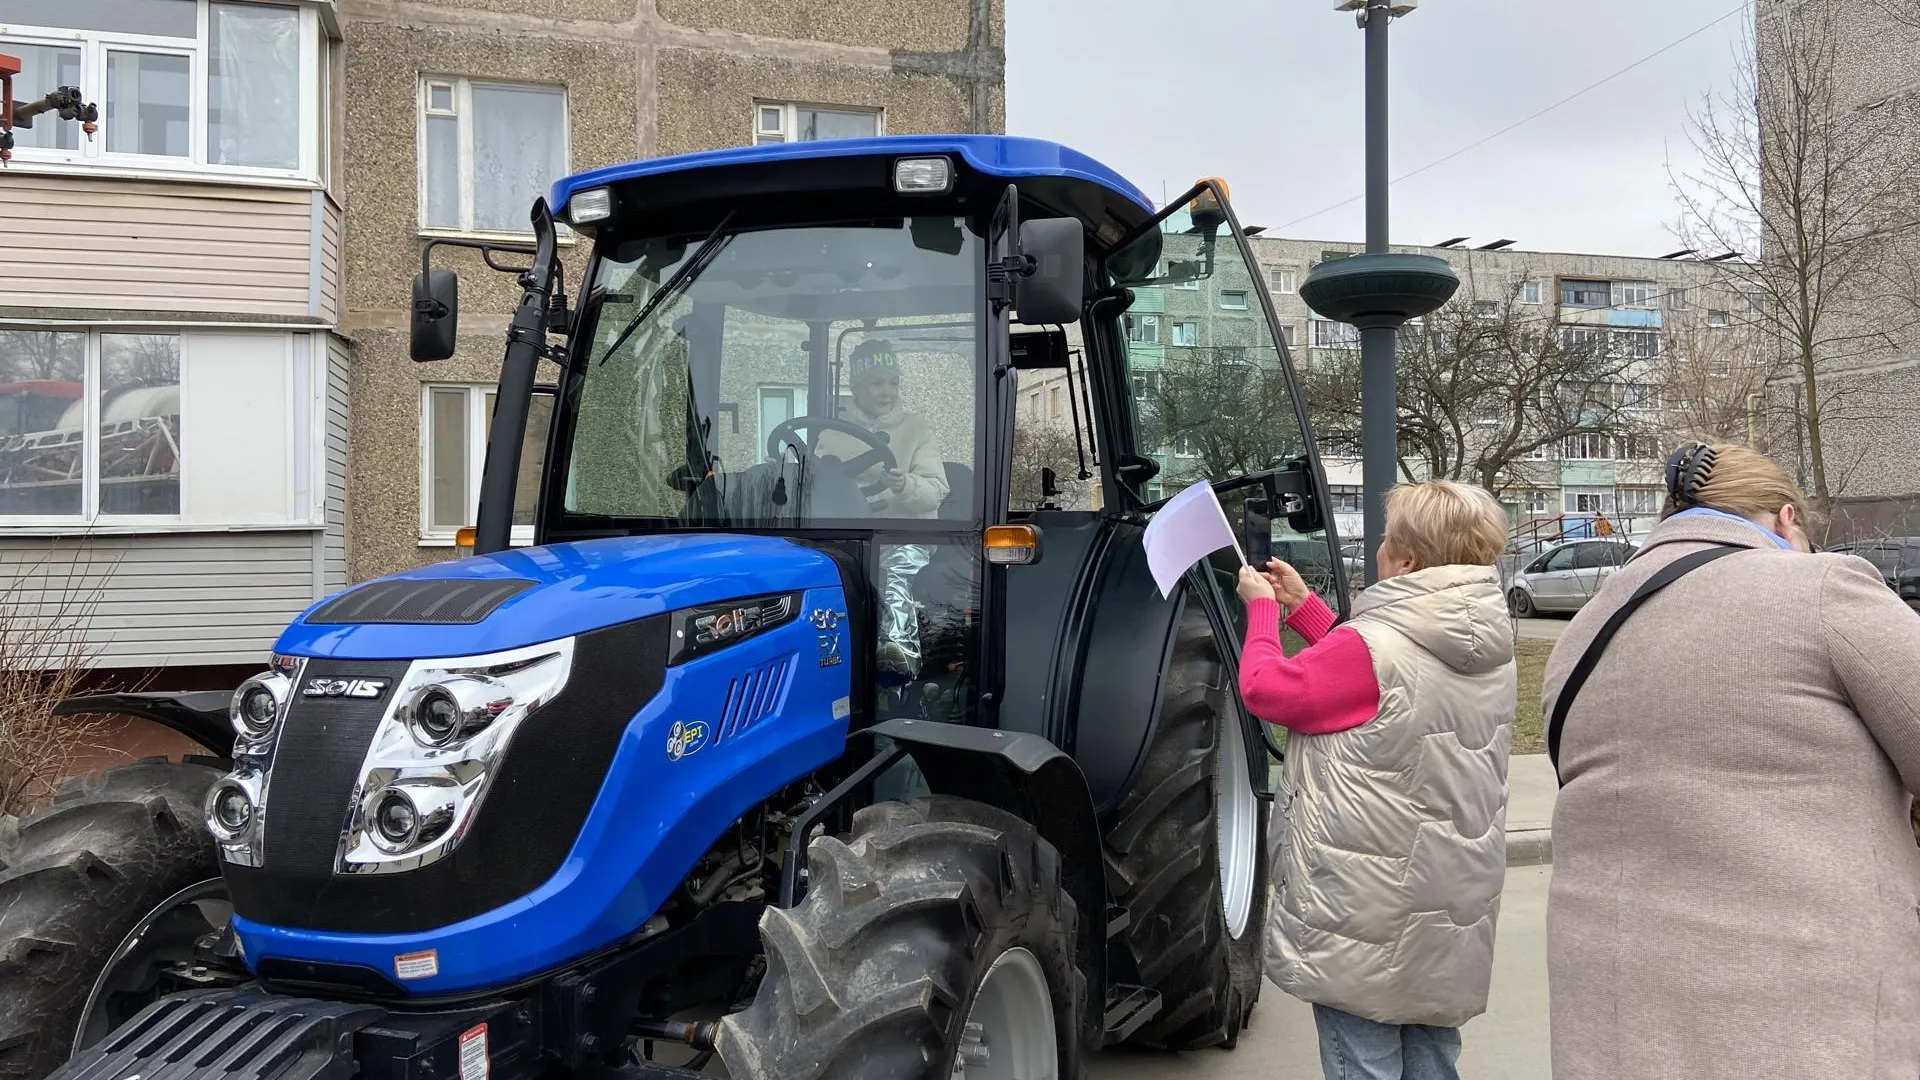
(1562, 578)
(1896, 557)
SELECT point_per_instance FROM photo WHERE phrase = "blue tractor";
(761, 723)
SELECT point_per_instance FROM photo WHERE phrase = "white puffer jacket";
(1388, 846)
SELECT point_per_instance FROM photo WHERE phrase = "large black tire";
(77, 877)
(1163, 859)
(873, 974)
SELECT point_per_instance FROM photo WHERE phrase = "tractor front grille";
(323, 743)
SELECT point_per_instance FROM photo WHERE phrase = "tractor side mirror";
(436, 315)
(1290, 489)
(1054, 292)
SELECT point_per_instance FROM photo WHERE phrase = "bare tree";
(1713, 386)
(1821, 197)
(1217, 412)
(1484, 385)
(46, 611)
(1045, 445)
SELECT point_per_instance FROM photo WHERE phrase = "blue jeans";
(1354, 1048)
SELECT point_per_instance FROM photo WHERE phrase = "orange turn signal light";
(1012, 545)
(465, 537)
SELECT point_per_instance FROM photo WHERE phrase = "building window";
(1579, 293)
(486, 151)
(89, 424)
(1676, 299)
(1280, 281)
(1587, 500)
(1635, 294)
(1348, 501)
(1537, 503)
(1033, 406)
(1151, 491)
(1636, 344)
(783, 122)
(1588, 446)
(1185, 446)
(1756, 302)
(1233, 300)
(1635, 395)
(1716, 318)
(454, 424)
(1144, 329)
(1054, 411)
(1186, 334)
(1543, 452)
(181, 84)
(1290, 333)
(1720, 368)
(1530, 292)
(1328, 334)
(1486, 309)
(1640, 500)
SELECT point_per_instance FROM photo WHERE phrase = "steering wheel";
(787, 433)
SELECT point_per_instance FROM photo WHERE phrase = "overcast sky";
(1268, 94)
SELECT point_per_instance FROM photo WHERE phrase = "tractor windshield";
(777, 378)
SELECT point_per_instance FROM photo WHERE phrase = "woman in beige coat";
(1736, 888)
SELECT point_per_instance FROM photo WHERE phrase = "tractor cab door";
(1211, 395)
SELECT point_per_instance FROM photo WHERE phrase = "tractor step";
(243, 1035)
(1128, 1009)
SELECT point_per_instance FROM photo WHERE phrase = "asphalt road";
(1508, 1042)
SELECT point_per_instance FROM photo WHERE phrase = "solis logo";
(347, 688)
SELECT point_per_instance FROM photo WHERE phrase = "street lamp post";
(1377, 291)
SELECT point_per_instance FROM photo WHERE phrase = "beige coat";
(1389, 851)
(1736, 890)
(916, 453)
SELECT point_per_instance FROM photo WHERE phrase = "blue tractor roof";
(1003, 156)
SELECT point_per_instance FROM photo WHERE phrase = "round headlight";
(396, 821)
(435, 716)
(229, 809)
(256, 705)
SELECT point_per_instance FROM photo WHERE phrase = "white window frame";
(1193, 334)
(759, 132)
(91, 156)
(1677, 298)
(1638, 295)
(1650, 497)
(1718, 319)
(1531, 292)
(477, 418)
(1241, 306)
(1579, 447)
(1538, 503)
(1570, 500)
(463, 119)
(1281, 280)
(90, 515)
(1142, 328)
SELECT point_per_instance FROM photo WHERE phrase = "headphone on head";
(1688, 467)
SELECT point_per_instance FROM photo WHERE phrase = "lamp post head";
(1395, 8)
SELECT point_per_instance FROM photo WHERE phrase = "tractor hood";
(525, 596)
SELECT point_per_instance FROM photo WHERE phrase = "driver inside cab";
(913, 487)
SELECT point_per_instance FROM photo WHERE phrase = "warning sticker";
(473, 1053)
(417, 965)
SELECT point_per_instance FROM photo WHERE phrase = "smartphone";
(1256, 532)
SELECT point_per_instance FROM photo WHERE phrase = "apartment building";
(173, 386)
(465, 110)
(1683, 339)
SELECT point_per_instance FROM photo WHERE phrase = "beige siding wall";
(334, 548)
(326, 298)
(79, 243)
(153, 601)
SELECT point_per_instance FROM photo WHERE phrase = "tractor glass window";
(818, 376)
(1215, 399)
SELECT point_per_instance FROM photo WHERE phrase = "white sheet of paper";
(1189, 528)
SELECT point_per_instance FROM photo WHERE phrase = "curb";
(1530, 847)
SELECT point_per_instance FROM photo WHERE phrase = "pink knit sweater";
(1326, 687)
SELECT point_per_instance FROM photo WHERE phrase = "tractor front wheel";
(938, 943)
(117, 878)
(1187, 856)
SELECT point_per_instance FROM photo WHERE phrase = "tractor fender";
(200, 715)
(1033, 779)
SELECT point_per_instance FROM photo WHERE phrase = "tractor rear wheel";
(938, 943)
(1187, 856)
(78, 878)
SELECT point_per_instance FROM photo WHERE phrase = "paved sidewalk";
(1531, 789)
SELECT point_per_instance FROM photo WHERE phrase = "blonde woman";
(1389, 836)
(1736, 890)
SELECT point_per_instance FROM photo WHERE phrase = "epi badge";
(686, 738)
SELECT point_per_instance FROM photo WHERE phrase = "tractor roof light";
(1012, 545)
(923, 176)
(594, 204)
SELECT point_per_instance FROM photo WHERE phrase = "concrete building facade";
(467, 109)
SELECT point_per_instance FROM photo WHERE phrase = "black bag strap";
(1662, 578)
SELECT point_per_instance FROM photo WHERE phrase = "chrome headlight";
(259, 704)
(438, 748)
(236, 806)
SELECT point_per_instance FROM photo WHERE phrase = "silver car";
(1562, 578)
